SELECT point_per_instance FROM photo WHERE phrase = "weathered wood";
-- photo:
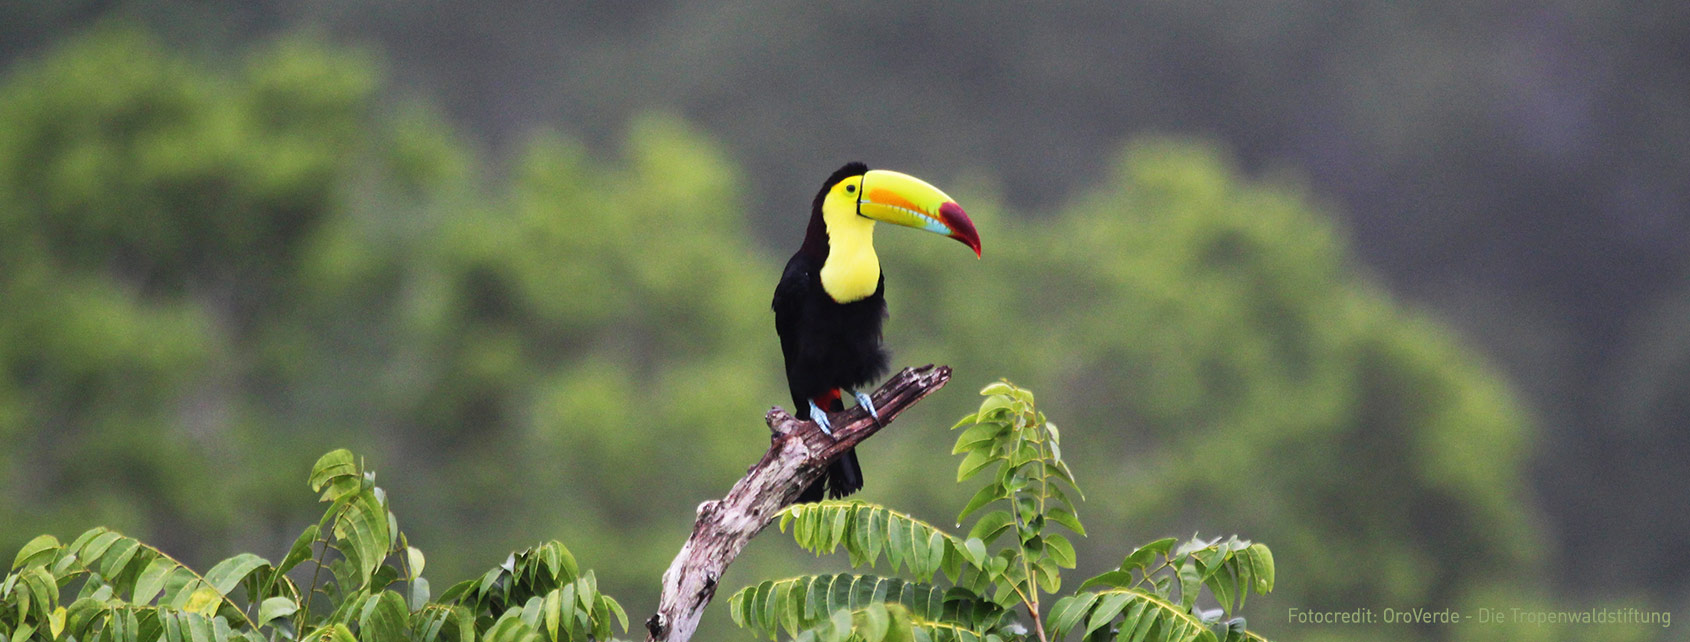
(799, 453)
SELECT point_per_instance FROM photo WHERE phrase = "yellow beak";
(901, 199)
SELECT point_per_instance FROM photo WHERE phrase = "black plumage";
(830, 347)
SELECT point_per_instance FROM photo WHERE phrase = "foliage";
(1234, 367)
(1504, 173)
(209, 271)
(107, 586)
(1011, 438)
(520, 329)
(165, 236)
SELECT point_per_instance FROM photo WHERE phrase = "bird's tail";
(844, 476)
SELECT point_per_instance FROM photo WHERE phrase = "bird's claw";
(820, 418)
(867, 404)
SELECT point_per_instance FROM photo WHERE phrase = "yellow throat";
(852, 270)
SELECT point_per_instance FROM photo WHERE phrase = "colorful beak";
(901, 199)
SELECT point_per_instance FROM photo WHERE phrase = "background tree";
(214, 269)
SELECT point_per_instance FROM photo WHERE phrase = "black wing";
(791, 299)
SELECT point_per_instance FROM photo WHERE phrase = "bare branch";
(799, 453)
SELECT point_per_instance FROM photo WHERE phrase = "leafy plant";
(970, 588)
(365, 583)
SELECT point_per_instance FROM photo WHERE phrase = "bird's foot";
(867, 404)
(820, 417)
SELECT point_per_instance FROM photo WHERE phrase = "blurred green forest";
(218, 261)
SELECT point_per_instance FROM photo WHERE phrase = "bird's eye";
(850, 188)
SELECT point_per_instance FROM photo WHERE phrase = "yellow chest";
(852, 270)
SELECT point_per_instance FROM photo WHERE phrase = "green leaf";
(1189, 579)
(1050, 577)
(362, 529)
(152, 580)
(997, 388)
(300, 551)
(986, 495)
(971, 465)
(1192, 545)
(1224, 585)
(65, 564)
(414, 560)
(1060, 550)
(1149, 613)
(935, 553)
(900, 626)
(1109, 606)
(81, 541)
(875, 533)
(839, 628)
(1066, 519)
(384, 618)
(979, 435)
(864, 529)
(802, 603)
(82, 611)
(1026, 453)
(897, 539)
(567, 609)
(1146, 622)
(204, 600)
(872, 622)
(1211, 560)
(615, 608)
(975, 551)
(1261, 567)
(560, 561)
(552, 613)
(1130, 620)
(511, 628)
(965, 421)
(995, 403)
(332, 633)
(37, 552)
(335, 467)
(419, 593)
(44, 589)
(1111, 579)
(841, 519)
(1142, 556)
(991, 525)
(839, 595)
(97, 547)
(1164, 587)
(276, 607)
(1068, 612)
(227, 574)
(117, 557)
(1055, 492)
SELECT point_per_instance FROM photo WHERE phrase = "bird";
(831, 299)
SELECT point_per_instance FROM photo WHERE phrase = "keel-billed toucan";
(831, 298)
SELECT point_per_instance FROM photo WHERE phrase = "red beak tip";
(964, 228)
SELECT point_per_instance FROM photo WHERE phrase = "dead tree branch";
(798, 454)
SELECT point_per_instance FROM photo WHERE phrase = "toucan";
(831, 298)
